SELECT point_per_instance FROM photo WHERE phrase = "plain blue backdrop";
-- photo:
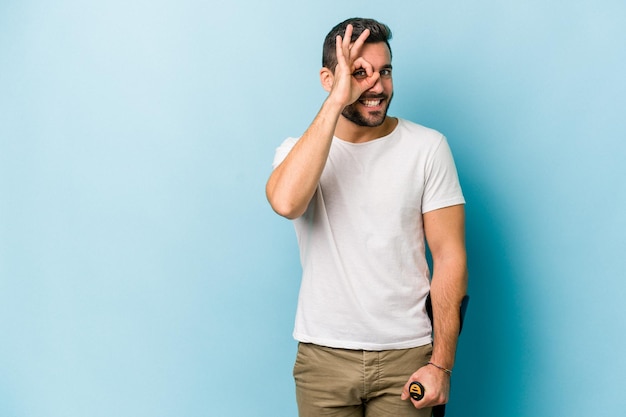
(143, 274)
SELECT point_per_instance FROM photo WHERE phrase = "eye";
(385, 73)
(359, 74)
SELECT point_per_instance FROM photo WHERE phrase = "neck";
(351, 132)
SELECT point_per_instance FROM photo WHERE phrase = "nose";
(378, 87)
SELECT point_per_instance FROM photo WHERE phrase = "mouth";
(370, 102)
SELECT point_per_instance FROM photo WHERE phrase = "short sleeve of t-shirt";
(283, 150)
(442, 188)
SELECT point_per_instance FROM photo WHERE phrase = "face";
(371, 108)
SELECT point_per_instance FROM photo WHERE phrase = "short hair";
(379, 32)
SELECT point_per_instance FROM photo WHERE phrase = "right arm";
(292, 184)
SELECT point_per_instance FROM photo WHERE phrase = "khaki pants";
(351, 383)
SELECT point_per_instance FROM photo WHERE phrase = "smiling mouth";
(371, 102)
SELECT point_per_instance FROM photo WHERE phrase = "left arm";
(445, 233)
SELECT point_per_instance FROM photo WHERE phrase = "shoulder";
(415, 132)
(289, 142)
(283, 150)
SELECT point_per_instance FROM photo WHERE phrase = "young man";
(365, 190)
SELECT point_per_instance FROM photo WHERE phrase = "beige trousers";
(351, 383)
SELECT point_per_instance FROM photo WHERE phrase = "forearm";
(292, 184)
(448, 287)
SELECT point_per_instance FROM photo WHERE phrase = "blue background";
(142, 272)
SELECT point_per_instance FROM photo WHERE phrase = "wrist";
(334, 104)
(441, 368)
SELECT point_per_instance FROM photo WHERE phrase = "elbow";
(291, 215)
(286, 210)
(284, 207)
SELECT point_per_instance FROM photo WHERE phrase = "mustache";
(373, 97)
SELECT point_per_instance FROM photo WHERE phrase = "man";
(365, 190)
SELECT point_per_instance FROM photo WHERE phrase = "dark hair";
(379, 32)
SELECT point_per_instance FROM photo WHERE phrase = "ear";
(327, 78)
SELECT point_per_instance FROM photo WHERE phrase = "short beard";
(351, 113)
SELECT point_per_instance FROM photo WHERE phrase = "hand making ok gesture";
(353, 74)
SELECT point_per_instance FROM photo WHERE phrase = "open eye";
(359, 74)
(385, 73)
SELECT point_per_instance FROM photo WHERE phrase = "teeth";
(371, 103)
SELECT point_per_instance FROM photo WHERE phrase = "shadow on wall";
(489, 377)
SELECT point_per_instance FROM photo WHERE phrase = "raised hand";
(293, 183)
(353, 74)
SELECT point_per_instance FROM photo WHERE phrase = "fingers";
(431, 396)
(353, 74)
(342, 46)
(405, 391)
(346, 50)
(347, 37)
(362, 65)
(435, 385)
(360, 40)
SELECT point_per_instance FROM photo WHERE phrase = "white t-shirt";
(365, 276)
